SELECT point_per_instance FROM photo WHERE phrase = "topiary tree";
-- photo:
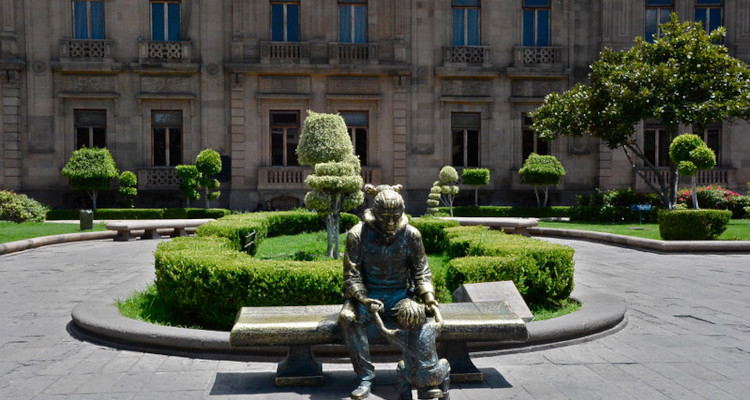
(208, 164)
(90, 170)
(476, 177)
(189, 175)
(128, 183)
(337, 181)
(446, 186)
(198, 176)
(691, 154)
(433, 200)
(543, 171)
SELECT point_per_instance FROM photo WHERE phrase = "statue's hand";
(374, 305)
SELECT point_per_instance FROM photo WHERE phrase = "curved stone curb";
(648, 244)
(12, 247)
(99, 320)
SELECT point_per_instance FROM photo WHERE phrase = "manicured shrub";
(19, 208)
(90, 170)
(142, 213)
(433, 233)
(128, 188)
(541, 171)
(551, 281)
(507, 211)
(190, 213)
(489, 269)
(447, 188)
(693, 224)
(476, 177)
(128, 213)
(209, 281)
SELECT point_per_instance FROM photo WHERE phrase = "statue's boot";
(430, 393)
(362, 391)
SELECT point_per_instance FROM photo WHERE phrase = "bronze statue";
(384, 263)
(420, 366)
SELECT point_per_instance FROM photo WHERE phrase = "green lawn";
(737, 229)
(11, 231)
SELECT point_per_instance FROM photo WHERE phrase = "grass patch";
(147, 306)
(565, 307)
(11, 231)
(305, 246)
(737, 229)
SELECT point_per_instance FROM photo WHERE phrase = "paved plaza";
(687, 337)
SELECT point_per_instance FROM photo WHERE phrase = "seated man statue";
(384, 263)
(420, 366)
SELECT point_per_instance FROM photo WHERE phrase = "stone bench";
(301, 327)
(510, 225)
(150, 228)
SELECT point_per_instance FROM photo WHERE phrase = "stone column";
(400, 122)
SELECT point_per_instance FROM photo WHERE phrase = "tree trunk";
(546, 196)
(695, 193)
(536, 193)
(332, 228)
(476, 196)
(94, 194)
(205, 196)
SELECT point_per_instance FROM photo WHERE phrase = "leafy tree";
(198, 177)
(690, 153)
(446, 186)
(208, 163)
(542, 171)
(476, 177)
(189, 175)
(686, 76)
(337, 181)
(90, 170)
(128, 183)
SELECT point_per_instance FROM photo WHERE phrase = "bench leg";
(179, 232)
(463, 369)
(299, 368)
(150, 234)
(123, 236)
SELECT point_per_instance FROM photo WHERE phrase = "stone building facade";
(421, 84)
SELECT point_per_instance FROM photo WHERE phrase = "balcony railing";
(164, 51)
(97, 49)
(537, 56)
(285, 52)
(158, 178)
(293, 178)
(715, 176)
(467, 55)
(353, 52)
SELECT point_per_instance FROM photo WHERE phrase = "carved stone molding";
(284, 84)
(88, 84)
(466, 87)
(350, 85)
(163, 84)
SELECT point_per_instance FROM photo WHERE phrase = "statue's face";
(387, 219)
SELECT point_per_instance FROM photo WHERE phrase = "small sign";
(640, 207)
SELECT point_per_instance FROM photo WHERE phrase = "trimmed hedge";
(551, 279)
(507, 211)
(208, 280)
(142, 213)
(237, 227)
(433, 233)
(693, 224)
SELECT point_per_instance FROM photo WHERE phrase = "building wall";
(226, 77)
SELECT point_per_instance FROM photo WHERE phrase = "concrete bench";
(150, 228)
(301, 327)
(509, 225)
